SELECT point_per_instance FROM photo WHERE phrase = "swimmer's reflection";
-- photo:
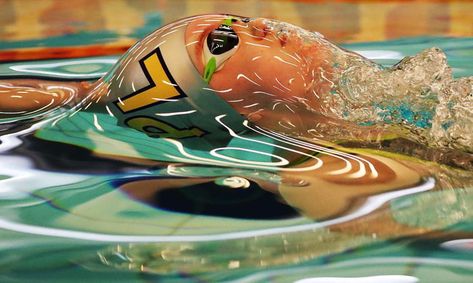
(211, 197)
(339, 187)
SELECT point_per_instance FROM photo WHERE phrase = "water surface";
(83, 198)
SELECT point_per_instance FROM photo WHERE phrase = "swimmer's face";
(256, 65)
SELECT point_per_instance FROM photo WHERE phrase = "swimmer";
(275, 75)
(208, 74)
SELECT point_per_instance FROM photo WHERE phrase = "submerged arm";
(29, 97)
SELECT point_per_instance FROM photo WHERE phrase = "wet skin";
(19, 97)
(273, 73)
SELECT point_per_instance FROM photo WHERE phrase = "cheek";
(245, 75)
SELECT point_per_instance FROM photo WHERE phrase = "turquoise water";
(76, 204)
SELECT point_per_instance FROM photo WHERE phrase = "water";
(85, 199)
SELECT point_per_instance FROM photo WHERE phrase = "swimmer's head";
(189, 78)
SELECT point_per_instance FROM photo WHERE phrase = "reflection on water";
(231, 200)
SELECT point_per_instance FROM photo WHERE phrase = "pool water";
(82, 198)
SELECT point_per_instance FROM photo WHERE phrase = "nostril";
(259, 28)
(283, 37)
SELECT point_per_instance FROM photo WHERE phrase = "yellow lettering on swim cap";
(162, 85)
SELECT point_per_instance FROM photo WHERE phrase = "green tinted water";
(78, 202)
